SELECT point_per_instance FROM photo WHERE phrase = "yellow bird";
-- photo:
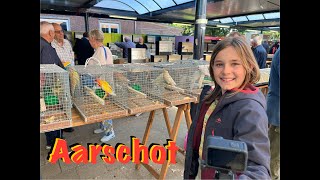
(74, 79)
(106, 87)
(66, 64)
(168, 78)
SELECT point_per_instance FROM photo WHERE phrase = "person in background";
(101, 52)
(125, 46)
(251, 44)
(234, 109)
(64, 50)
(62, 46)
(83, 50)
(104, 55)
(274, 47)
(141, 44)
(273, 112)
(49, 56)
(265, 45)
(259, 52)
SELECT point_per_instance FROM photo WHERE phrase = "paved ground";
(124, 128)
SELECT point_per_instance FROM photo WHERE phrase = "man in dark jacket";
(266, 45)
(83, 49)
(125, 46)
(259, 52)
(48, 55)
(273, 112)
(141, 44)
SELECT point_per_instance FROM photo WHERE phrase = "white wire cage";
(143, 93)
(101, 93)
(201, 77)
(177, 81)
(55, 100)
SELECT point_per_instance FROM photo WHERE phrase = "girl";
(234, 109)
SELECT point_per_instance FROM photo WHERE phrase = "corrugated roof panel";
(274, 15)
(124, 5)
(165, 3)
(113, 5)
(226, 20)
(240, 18)
(255, 17)
(149, 4)
(182, 1)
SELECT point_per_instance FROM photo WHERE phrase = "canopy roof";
(253, 14)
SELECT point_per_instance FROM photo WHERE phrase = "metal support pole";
(86, 22)
(200, 28)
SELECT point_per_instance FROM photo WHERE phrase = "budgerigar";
(106, 87)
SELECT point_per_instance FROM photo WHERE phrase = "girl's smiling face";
(228, 69)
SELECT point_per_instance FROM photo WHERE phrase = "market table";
(183, 105)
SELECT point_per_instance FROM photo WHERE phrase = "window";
(63, 22)
(226, 20)
(272, 15)
(240, 18)
(109, 27)
(254, 17)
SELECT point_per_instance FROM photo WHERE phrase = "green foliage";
(274, 35)
(220, 32)
(188, 30)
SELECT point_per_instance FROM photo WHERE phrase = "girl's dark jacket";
(240, 117)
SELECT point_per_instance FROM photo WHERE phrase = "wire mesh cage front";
(178, 82)
(201, 77)
(144, 93)
(55, 101)
(101, 93)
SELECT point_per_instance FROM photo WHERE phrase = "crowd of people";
(56, 49)
(234, 109)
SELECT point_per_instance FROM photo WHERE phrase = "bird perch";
(174, 88)
(94, 96)
(135, 91)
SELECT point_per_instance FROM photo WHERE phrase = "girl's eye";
(219, 65)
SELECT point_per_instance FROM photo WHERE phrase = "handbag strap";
(105, 52)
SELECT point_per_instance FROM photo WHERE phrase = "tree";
(220, 32)
(188, 30)
(274, 35)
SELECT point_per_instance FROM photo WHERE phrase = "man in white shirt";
(64, 50)
(62, 46)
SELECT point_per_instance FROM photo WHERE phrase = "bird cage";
(264, 77)
(55, 101)
(99, 92)
(178, 82)
(144, 94)
(201, 77)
